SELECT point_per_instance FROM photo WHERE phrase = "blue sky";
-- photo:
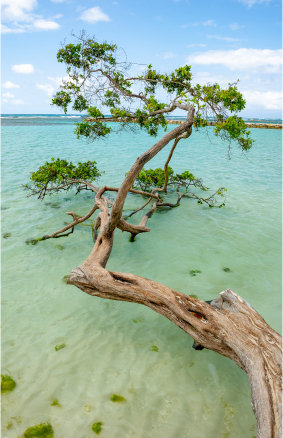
(223, 40)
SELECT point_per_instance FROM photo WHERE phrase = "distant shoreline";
(179, 122)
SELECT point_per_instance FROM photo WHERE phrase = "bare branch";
(73, 224)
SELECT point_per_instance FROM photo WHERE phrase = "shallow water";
(175, 391)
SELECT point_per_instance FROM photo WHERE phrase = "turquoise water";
(175, 391)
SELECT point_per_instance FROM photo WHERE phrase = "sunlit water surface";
(176, 391)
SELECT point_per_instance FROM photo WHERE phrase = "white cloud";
(58, 81)
(9, 84)
(115, 3)
(268, 99)
(8, 95)
(45, 24)
(204, 77)
(184, 26)
(17, 10)
(23, 68)
(58, 1)
(94, 15)
(196, 45)
(18, 101)
(196, 23)
(47, 88)
(250, 3)
(5, 100)
(169, 55)
(234, 26)
(209, 23)
(6, 29)
(241, 59)
(218, 37)
(21, 11)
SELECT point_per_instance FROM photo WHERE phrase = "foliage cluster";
(97, 77)
(58, 175)
(155, 178)
(150, 179)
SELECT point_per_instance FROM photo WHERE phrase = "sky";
(223, 41)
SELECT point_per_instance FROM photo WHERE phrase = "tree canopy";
(97, 79)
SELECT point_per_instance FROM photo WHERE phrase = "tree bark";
(227, 325)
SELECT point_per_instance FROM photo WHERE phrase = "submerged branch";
(77, 220)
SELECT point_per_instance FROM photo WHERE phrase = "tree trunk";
(227, 325)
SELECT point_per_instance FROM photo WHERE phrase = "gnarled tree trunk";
(227, 325)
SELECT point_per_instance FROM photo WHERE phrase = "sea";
(116, 348)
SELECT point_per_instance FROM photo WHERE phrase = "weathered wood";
(228, 326)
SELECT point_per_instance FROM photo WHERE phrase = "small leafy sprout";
(59, 347)
(97, 427)
(7, 383)
(56, 402)
(154, 348)
(40, 430)
(193, 296)
(6, 235)
(226, 269)
(117, 398)
(193, 273)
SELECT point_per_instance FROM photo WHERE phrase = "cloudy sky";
(223, 40)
